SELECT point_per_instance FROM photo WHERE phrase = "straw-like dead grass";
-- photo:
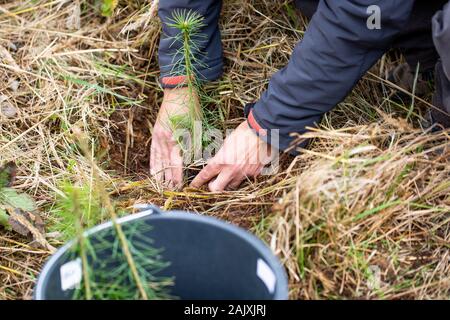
(363, 214)
(369, 215)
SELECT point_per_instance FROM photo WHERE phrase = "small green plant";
(186, 63)
(117, 262)
(11, 199)
(108, 6)
(88, 202)
(19, 211)
(106, 262)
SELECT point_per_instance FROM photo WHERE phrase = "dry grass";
(368, 201)
(369, 215)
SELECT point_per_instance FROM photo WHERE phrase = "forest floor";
(362, 213)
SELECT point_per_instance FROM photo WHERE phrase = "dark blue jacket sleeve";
(336, 51)
(210, 61)
(441, 36)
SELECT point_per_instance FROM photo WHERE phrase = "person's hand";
(166, 160)
(242, 155)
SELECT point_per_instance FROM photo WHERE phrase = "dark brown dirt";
(129, 149)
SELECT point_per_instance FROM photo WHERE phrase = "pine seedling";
(89, 208)
(81, 242)
(106, 274)
(186, 63)
(118, 262)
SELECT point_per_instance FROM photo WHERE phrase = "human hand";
(242, 155)
(166, 160)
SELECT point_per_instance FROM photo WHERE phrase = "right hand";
(166, 160)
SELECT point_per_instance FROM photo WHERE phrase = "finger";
(207, 173)
(222, 181)
(176, 162)
(168, 170)
(156, 161)
(235, 183)
(162, 162)
(174, 170)
(168, 176)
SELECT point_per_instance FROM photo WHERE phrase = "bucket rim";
(281, 288)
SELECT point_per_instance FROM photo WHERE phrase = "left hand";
(242, 155)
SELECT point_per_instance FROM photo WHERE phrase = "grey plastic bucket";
(209, 259)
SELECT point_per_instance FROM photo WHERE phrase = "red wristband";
(254, 124)
(173, 81)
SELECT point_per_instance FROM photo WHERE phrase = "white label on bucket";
(71, 273)
(265, 273)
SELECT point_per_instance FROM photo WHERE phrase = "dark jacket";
(441, 37)
(336, 51)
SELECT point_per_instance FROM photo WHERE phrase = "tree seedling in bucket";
(117, 262)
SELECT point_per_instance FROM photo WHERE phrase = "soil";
(129, 148)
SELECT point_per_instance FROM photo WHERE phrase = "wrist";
(180, 95)
(173, 91)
